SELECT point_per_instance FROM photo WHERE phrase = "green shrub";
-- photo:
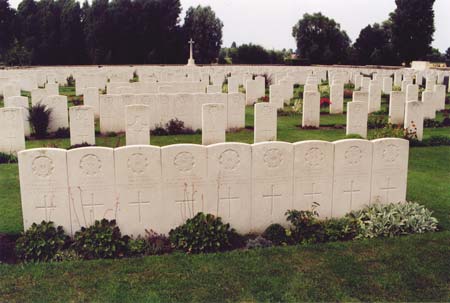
(62, 132)
(176, 127)
(7, 158)
(203, 233)
(376, 121)
(158, 244)
(39, 118)
(258, 242)
(393, 220)
(137, 247)
(66, 255)
(388, 131)
(276, 234)
(342, 229)
(70, 81)
(41, 242)
(101, 240)
(159, 131)
(305, 226)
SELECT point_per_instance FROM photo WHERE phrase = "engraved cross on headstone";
(46, 207)
(351, 191)
(186, 204)
(92, 205)
(229, 199)
(272, 196)
(388, 188)
(139, 203)
(312, 194)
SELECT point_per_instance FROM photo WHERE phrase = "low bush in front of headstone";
(393, 219)
(41, 242)
(84, 144)
(103, 240)
(258, 242)
(173, 127)
(62, 133)
(277, 234)
(7, 158)
(204, 233)
(152, 244)
(39, 118)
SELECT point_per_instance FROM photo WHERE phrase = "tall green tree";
(373, 46)
(412, 29)
(202, 25)
(447, 54)
(71, 44)
(321, 40)
(7, 19)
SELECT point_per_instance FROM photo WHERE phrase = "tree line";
(50, 32)
(58, 32)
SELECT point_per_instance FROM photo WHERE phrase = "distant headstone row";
(249, 186)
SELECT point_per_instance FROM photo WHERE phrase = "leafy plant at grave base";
(159, 131)
(258, 242)
(375, 121)
(137, 247)
(263, 99)
(176, 127)
(204, 233)
(305, 226)
(41, 242)
(348, 94)
(325, 102)
(39, 118)
(277, 234)
(393, 219)
(343, 229)
(388, 131)
(298, 106)
(7, 158)
(84, 144)
(157, 244)
(70, 81)
(66, 255)
(447, 100)
(62, 132)
(431, 123)
(396, 88)
(101, 240)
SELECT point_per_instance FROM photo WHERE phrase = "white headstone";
(265, 124)
(214, 123)
(214, 89)
(138, 187)
(387, 85)
(336, 99)
(82, 125)
(12, 134)
(22, 102)
(374, 97)
(412, 92)
(91, 98)
(230, 191)
(311, 109)
(352, 175)
(389, 170)
(43, 187)
(397, 107)
(272, 176)
(91, 185)
(184, 170)
(255, 90)
(236, 111)
(357, 119)
(440, 95)
(313, 176)
(428, 104)
(414, 119)
(137, 124)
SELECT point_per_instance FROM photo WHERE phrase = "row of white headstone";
(249, 186)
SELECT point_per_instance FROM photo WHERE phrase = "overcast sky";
(269, 22)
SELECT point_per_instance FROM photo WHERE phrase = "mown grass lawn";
(410, 268)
